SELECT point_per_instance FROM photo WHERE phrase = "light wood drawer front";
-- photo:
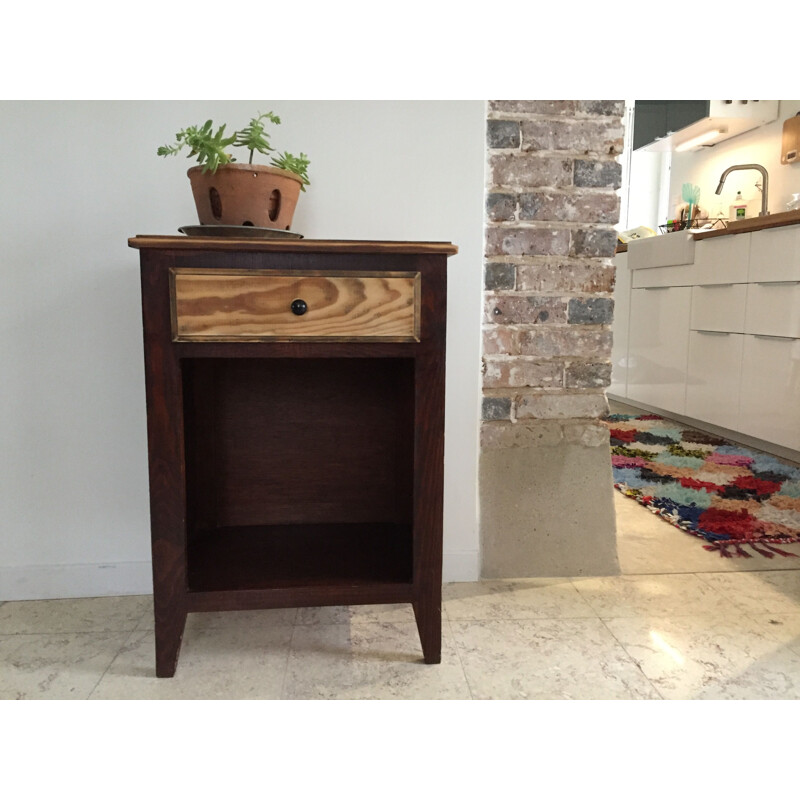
(718, 308)
(251, 305)
(773, 309)
(775, 255)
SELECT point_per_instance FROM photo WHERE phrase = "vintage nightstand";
(295, 415)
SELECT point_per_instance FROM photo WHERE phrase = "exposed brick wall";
(548, 275)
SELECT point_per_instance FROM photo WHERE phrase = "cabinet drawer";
(768, 407)
(719, 308)
(255, 305)
(722, 260)
(713, 377)
(773, 309)
(775, 255)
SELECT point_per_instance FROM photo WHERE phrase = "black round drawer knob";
(299, 307)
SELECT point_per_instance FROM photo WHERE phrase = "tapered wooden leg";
(428, 613)
(169, 634)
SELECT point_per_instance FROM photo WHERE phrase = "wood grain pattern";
(229, 305)
(290, 246)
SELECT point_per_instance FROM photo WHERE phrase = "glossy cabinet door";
(658, 350)
(773, 309)
(719, 307)
(619, 348)
(713, 376)
(721, 260)
(774, 255)
(769, 405)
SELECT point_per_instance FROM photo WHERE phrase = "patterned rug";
(738, 500)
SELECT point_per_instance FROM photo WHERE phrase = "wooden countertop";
(143, 242)
(778, 220)
(754, 224)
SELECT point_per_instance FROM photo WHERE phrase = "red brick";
(517, 372)
(529, 170)
(567, 275)
(508, 241)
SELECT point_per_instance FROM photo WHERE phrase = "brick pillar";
(546, 487)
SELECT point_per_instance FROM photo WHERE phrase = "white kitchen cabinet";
(619, 347)
(722, 260)
(769, 400)
(658, 346)
(774, 255)
(773, 309)
(719, 307)
(713, 376)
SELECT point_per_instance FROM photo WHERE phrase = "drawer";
(768, 407)
(661, 277)
(257, 305)
(722, 260)
(775, 255)
(773, 309)
(719, 308)
(713, 377)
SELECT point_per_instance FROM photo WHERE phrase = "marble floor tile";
(647, 544)
(768, 592)
(78, 615)
(341, 615)
(366, 660)
(783, 627)
(236, 663)
(533, 598)
(566, 659)
(651, 595)
(62, 666)
(731, 657)
(250, 620)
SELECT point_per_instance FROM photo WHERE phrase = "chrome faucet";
(764, 187)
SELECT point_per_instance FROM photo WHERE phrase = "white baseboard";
(461, 567)
(56, 581)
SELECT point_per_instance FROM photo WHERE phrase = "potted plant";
(230, 193)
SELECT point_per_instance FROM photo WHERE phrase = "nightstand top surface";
(289, 245)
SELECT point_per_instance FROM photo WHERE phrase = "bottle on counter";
(739, 208)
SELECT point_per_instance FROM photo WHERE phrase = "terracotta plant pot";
(245, 194)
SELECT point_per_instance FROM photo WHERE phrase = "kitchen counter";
(741, 226)
(708, 332)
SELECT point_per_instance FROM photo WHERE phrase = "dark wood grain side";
(166, 463)
(429, 384)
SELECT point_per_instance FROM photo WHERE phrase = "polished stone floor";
(677, 623)
(714, 628)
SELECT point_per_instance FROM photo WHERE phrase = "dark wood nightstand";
(295, 415)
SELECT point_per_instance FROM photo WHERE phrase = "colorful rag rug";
(734, 498)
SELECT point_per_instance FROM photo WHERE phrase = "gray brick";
(502, 133)
(611, 108)
(499, 276)
(545, 107)
(501, 207)
(593, 242)
(587, 376)
(590, 311)
(496, 408)
(598, 174)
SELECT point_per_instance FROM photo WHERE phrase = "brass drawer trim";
(234, 305)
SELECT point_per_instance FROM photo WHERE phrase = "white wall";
(78, 179)
(759, 146)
